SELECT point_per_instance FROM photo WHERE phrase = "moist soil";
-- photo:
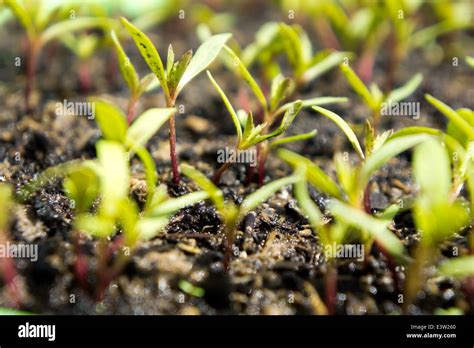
(278, 265)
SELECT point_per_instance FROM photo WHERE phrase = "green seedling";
(470, 61)
(273, 39)
(133, 137)
(436, 216)
(136, 86)
(177, 74)
(231, 214)
(108, 178)
(8, 270)
(271, 111)
(44, 24)
(373, 96)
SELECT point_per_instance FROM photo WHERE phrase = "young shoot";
(436, 216)
(108, 178)
(177, 74)
(133, 137)
(271, 110)
(44, 24)
(374, 98)
(230, 213)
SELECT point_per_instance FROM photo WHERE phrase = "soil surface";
(278, 266)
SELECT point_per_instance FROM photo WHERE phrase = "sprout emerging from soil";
(177, 74)
(270, 113)
(44, 24)
(108, 178)
(231, 214)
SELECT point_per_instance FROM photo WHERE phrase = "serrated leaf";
(146, 125)
(148, 52)
(110, 120)
(359, 87)
(126, 67)
(205, 55)
(229, 107)
(315, 175)
(407, 89)
(363, 221)
(247, 78)
(177, 71)
(263, 193)
(339, 121)
(453, 116)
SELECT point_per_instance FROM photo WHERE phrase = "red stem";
(218, 174)
(84, 78)
(262, 158)
(131, 109)
(173, 156)
(330, 287)
(32, 60)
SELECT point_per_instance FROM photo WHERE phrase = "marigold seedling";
(177, 74)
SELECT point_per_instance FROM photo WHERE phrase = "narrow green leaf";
(22, 15)
(430, 157)
(315, 175)
(96, 225)
(173, 205)
(126, 67)
(229, 107)
(114, 175)
(389, 150)
(71, 25)
(359, 87)
(363, 221)
(177, 71)
(247, 78)
(263, 193)
(293, 47)
(215, 194)
(453, 116)
(11, 311)
(305, 202)
(293, 138)
(279, 90)
(6, 203)
(146, 125)
(457, 133)
(344, 127)
(169, 60)
(458, 267)
(82, 186)
(150, 172)
(470, 61)
(190, 289)
(286, 121)
(407, 89)
(205, 55)
(323, 66)
(110, 120)
(148, 52)
(149, 228)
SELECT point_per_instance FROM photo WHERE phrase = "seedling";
(373, 96)
(42, 25)
(136, 85)
(436, 215)
(177, 74)
(270, 112)
(273, 38)
(231, 214)
(108, 178)
(134, 138)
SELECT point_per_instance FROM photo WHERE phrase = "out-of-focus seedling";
(177, 74)
(374, 98)
(436, 216)
(43, 24)
(231, 214)
(8, 270)
(270, 112)
(108, 178)
(134, 138)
